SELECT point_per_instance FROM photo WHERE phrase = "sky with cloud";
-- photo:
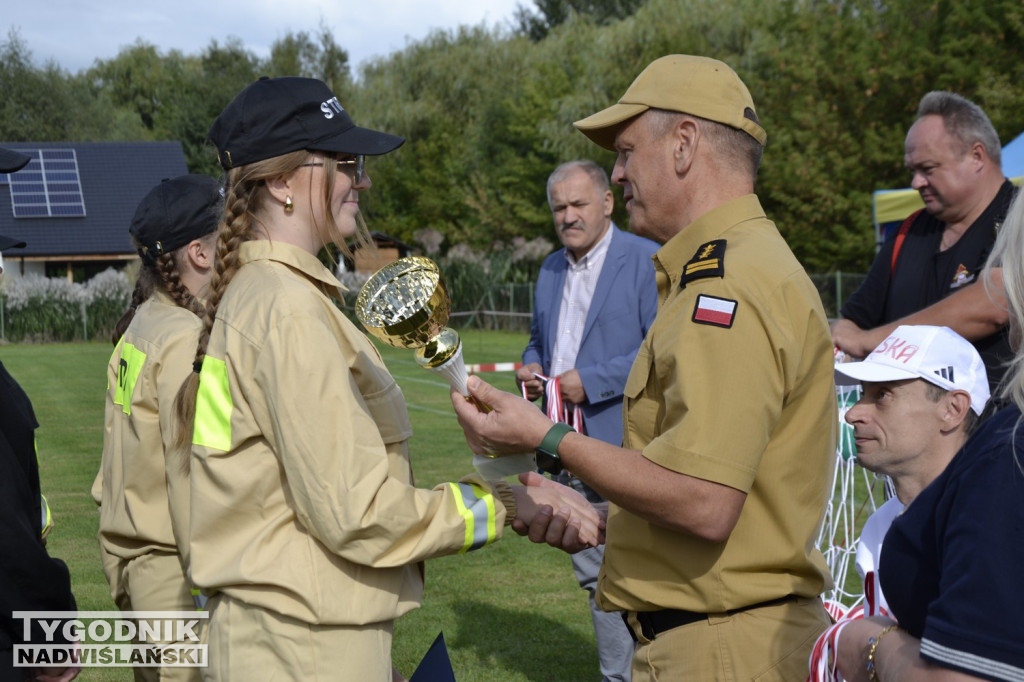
(74, 33)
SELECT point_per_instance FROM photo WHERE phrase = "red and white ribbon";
(824, 657)
(557, 410)
(494, 367)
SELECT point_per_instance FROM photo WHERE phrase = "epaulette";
(708, 261)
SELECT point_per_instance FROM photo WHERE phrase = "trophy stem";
(447, 362)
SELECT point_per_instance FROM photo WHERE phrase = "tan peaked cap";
(698, 86)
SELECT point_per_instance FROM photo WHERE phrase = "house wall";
(367, 261)
(15, 268)
(74, 270)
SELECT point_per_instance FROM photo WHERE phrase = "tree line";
(488, 112)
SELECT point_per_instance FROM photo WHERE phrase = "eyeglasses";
(343, 167)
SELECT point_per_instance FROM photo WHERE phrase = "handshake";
(552, 513)
(546, 512)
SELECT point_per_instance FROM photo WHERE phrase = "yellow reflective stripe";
(47, 519)
(198, 599)
(129, 366)
(213, 406)
(476, 506)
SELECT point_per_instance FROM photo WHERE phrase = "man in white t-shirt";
(923, 391)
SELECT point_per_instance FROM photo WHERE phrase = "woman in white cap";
(950, 563)
(141, 487)
(307, 530)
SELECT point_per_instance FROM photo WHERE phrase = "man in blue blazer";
(594, 301)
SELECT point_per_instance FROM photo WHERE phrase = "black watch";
(547, 452)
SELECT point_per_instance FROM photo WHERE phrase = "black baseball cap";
(11, 161)
(10, 243)
(275, 116)
(174, 213)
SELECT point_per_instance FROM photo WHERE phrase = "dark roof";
(381, 239)
(114, 176)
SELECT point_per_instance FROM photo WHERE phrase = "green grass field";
(510, 612)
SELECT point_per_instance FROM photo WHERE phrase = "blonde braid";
(163, 273)
(170, 277)
(143, 290)
(235, 228)
(246, 192)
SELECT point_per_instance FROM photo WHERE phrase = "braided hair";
(160, 272)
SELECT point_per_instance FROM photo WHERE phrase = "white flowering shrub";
(107, 297)
(533, 251)
(42, 309)
(354, 282)
(466, 273)
(430, 239)
(53, 309)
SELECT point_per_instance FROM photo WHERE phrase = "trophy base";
(494, 468)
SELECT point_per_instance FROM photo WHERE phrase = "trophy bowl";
(405, 304)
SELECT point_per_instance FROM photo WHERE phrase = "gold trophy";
(405, 304)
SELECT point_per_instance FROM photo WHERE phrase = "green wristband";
(547, 452)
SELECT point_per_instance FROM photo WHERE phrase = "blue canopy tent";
(890, 207)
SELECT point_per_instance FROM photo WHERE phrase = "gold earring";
(288, 205)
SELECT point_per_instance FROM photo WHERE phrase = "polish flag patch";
(712, 310)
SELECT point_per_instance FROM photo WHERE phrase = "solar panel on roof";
(48, 187)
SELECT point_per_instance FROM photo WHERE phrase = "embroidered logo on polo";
(961, 277)
(708, 261)
(718, 312)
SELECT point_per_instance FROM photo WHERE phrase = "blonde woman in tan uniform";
(141, 487)
(307, 530)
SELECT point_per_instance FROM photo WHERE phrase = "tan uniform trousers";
(155, 582)
(767, 644)
(251, 643)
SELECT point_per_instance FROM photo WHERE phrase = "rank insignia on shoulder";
(708, 261)
(718, 312)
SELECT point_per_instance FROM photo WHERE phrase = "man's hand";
(513, 425)
(525, 377)
(572, 387)
(555, 514)
(857, 342)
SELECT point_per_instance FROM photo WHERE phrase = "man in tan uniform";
(719, 489)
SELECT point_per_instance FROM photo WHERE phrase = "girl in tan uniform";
(307, 530)
(141, 489)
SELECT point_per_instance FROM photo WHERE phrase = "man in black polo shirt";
(954, 154)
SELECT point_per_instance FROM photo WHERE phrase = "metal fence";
(835, 287)
(509, 306)
(505, 307)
